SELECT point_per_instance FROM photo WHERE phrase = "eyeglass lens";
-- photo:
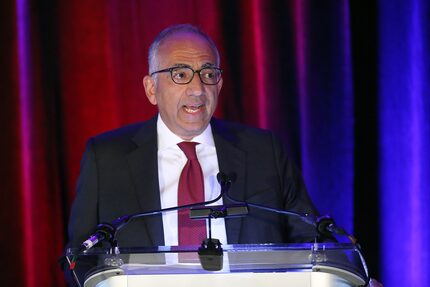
(184, 75)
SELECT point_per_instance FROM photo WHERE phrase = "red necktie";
(190, 190)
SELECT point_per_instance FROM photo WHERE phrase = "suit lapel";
(231, 161)
(144, 171)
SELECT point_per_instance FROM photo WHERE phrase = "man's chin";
(192, 130)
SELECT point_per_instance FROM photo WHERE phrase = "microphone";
(210, 252)
(225, 180)
(107, 231)
(103, 231)
(220, 211)
(324, 225)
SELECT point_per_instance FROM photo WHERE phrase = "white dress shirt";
(171, 161)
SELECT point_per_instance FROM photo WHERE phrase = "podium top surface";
(337, 258)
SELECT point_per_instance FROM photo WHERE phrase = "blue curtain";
(404, 106)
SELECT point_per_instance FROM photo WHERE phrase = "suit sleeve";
(84, 214)
(295, 196)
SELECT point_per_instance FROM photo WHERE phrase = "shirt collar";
(167, 139)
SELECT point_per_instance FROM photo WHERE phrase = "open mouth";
(193, 109)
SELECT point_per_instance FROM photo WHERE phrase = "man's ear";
(219, 85)
(149, 85)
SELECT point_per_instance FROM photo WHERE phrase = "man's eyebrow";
(208, 65)
(181, 65)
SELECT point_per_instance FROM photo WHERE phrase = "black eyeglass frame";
(171, 69)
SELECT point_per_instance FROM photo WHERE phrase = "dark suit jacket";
(119, 176)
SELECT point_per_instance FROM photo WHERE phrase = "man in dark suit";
(136, 168)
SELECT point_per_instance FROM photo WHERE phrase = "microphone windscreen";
(222, 177)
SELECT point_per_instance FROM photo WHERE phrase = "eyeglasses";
(183, 75)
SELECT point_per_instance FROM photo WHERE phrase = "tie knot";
(189, 148)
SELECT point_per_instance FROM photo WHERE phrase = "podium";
(251, 265)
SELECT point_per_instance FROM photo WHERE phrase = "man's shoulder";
(238, 130)
(126, 135)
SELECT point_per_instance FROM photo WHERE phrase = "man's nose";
(195, 87)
